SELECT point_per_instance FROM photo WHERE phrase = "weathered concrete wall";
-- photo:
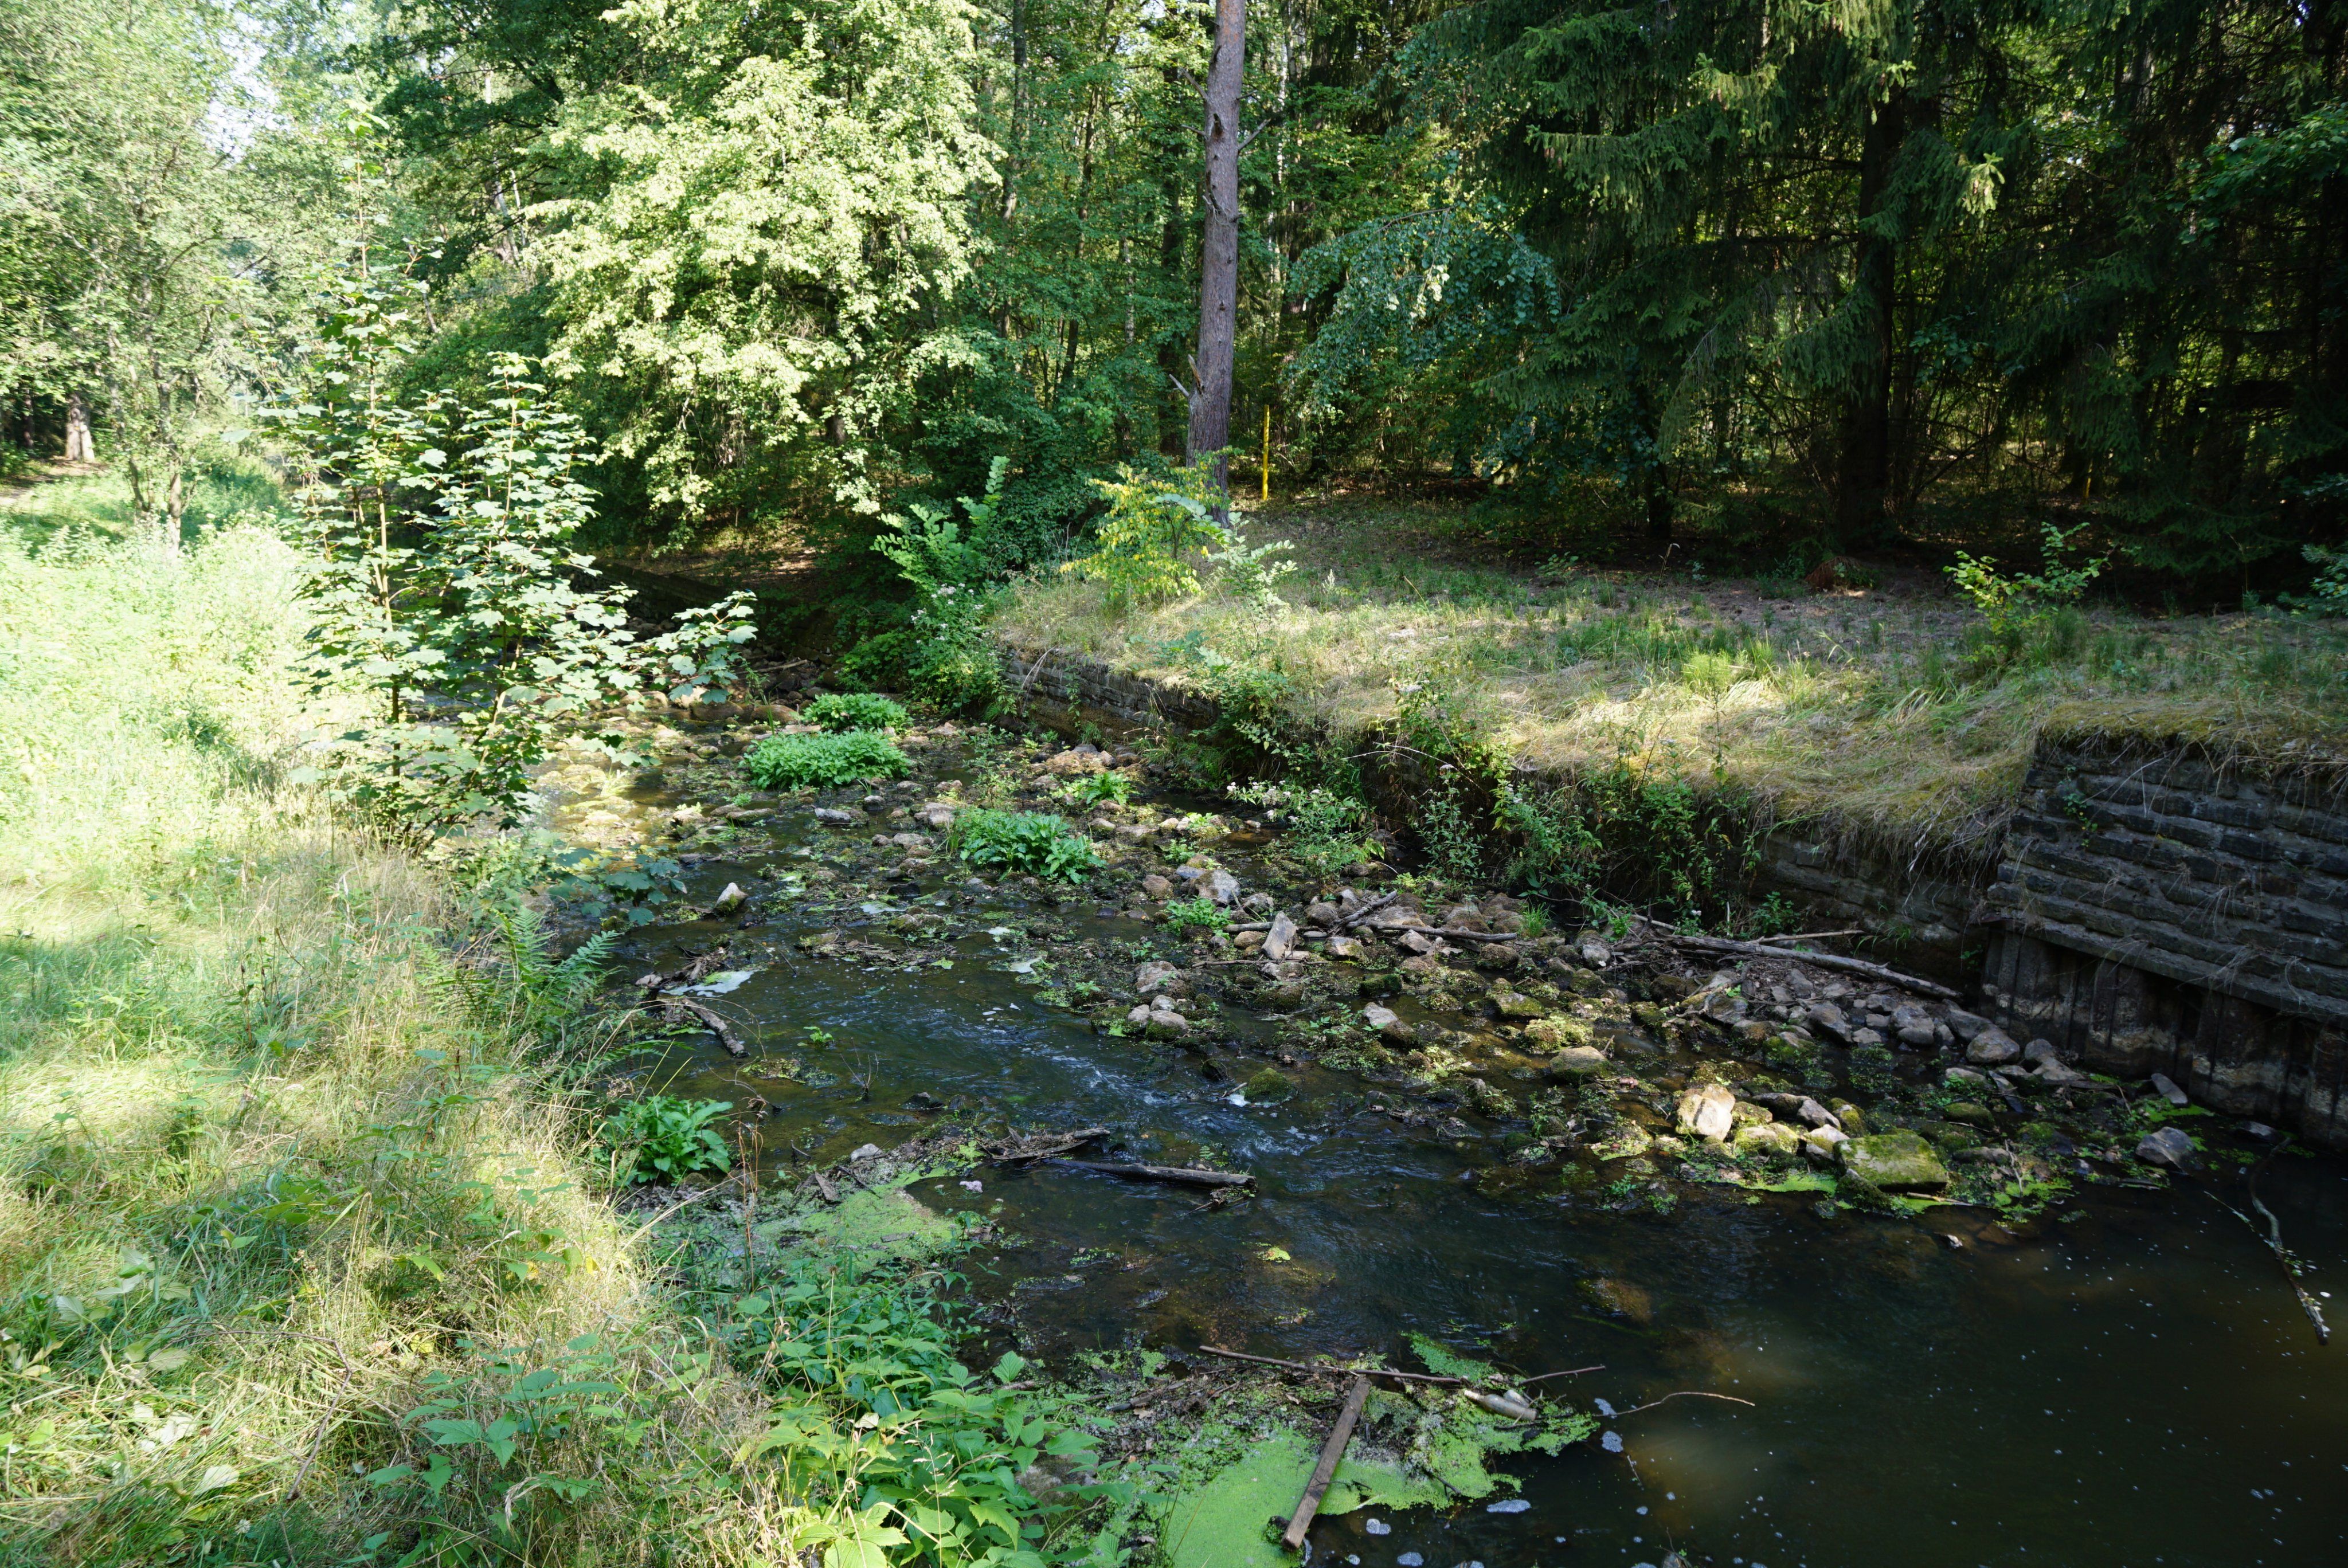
(1920, 906)
(1087, 686)
(2158, 911)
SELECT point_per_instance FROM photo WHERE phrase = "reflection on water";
(2135, 1386)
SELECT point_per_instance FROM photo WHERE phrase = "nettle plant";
(449, 589)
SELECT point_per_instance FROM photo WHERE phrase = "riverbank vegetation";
(306, 1246)
(1888, 707)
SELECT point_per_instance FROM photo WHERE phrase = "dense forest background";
(1767, 279)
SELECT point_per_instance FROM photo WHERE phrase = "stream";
(2127, 1381)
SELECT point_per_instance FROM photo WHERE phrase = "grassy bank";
(300, 1258)
(1895, 710)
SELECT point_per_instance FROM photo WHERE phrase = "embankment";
(2149, 903)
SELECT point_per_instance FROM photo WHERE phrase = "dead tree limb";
(1335, 1371)
(1889, 977)
(1330, 1452)
(1182, 1175)
(711, 1019)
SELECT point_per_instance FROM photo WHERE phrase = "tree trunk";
(79, 448)
(175, 509)
(1863, 466)
(1173, 424)
(1218, 259)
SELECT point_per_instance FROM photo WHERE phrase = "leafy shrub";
(1327, 828)
(1200, 914)
(886, 658)
(2022, 611)
(1030, 841)
(826, 761)
(1156, 524)
(449, 587)
(951, 660)
(1246, 572)
(1093, 789)
(841, 711)
(662, 1138)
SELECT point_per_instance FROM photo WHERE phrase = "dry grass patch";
(1894, 715)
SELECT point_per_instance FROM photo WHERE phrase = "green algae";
(1417, 1446)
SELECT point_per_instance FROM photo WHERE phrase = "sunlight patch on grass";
(1892, 716)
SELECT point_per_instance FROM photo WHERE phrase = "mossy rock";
(1896, 1162)
(1557, 1033)
(1768, 1138)
(1270, 1087)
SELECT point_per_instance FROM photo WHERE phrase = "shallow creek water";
(2132, 1385)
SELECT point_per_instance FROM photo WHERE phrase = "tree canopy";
(1772, 279)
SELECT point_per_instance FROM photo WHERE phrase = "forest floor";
(1895, 709)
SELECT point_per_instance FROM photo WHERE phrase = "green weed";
(662, 1138)
(1099, 789)
(1037, 843)
(1201, 914)
(823, 762)
(844, 710)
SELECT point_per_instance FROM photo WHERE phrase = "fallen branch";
(695, 1197)
(1336, 1372)
(1033, 1146)
(1807, 936)
(1823, 960)
(1347, 922)
(1576, 1372)
(710, 1017)
(2273, 1240)
(1463, 936)
(1683, 1394)
(1330, 1452)
(1182, 1175)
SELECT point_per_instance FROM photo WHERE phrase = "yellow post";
(1267, 456)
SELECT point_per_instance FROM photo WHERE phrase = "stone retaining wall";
(1087, 687)
(2158, 911)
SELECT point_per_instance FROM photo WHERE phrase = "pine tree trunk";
(79, 448)
(1219, 261)
(1863, 466)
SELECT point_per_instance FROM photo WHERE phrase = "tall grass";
(299, 1258)
(273, 1149)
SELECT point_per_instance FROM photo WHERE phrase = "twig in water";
(2273, 1239)
(1335, 1371)
(1576, 1372)
(1683, 1394)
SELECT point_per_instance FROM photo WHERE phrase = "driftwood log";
(1181, 1175)
(1026, 1149)
(709, 1017)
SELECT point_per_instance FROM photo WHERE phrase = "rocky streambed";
(1477, 1130)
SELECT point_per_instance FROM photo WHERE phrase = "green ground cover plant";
(1034, 841)
(1200, 914)
(662, 1138)
(823, 762)
(845, 711)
